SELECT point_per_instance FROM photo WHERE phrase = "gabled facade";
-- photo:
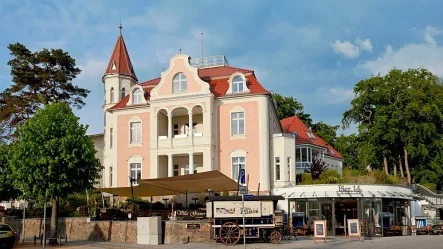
(193, 118)
(309, 145)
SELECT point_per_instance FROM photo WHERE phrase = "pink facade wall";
(250, 143)
(179, 66)
(125, 151)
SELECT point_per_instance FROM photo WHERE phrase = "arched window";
(136, 96)
(111, 95)
(123, 93)
(179, 83)
(237, 84)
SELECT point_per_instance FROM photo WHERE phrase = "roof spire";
(120, 27)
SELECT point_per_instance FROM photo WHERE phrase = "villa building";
(200, 115)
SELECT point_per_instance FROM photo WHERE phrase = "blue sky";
(313, 50)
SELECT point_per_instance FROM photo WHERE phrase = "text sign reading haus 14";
(349, 189)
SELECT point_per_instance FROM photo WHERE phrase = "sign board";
(193, 226)
(232, 209)
(243, 190)
(320, 230)
(354, 228)
(242, 176)
(190, 214)
(349, 189)
(248, 196)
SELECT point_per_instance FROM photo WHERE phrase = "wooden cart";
(261, 219)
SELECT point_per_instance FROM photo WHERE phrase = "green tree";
(325, 131)
(348, 147)
(53, 157)
(400, 117)
(288, 107)
(38, 78)
(7, 190)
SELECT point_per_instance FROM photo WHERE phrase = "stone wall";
(80, 229)
(177, 233)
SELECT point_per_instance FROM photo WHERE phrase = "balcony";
(181, 127)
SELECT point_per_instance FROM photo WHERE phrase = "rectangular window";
(176, 172)
(187, 169)
(110, 137)
(313, 209)
(136, 171)
(298, 154)
(277, 168)
(136, 136)
(304, 154)
(110, 176)
(237, 164)
(176, 130)
(289, 168)
(237, 87)
(237, 123)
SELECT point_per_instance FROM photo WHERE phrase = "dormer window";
(237, 84)
(136, 96)
(123, 93)
(310, 135)
(179, 83)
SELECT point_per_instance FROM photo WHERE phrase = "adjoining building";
(379, 205)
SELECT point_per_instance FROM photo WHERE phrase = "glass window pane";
(241, 115)
(241, 129)
(240, 87)
(183, 86)
(304, 154)
(234, 130)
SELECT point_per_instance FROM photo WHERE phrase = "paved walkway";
(403, 242)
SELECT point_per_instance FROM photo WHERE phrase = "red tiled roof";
(294, 124)
(152, 82)
(122, 103)
(218, 86)
(121, 59)
(220, 71)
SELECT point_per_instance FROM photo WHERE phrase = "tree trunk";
(401, 166)
(385, 161)
(395, 169)
(54, 222)
(408, 172)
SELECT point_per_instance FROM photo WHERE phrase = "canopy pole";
(150, 208)
(258, 190)
(186, 201)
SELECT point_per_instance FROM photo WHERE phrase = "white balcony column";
(170, 125)
(190, 126)
(191, 163)
(170, 166)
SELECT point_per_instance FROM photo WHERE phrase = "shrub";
(225, 194)
(158, 206)
(306, 179)
(355, 172)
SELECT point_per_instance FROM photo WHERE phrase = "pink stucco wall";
(125, 151)
(179, 66)
(250, 143)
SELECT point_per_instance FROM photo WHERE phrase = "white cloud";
(365, 44)
(346, 48)
(338, 95)
(424, 55)
(430, 33)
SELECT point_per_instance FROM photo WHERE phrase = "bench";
(60, 238)
(394, 231)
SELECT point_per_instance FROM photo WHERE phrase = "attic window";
(310, 135)
(113, 67)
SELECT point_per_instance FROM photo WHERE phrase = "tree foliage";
(288, 107)
(38, 78)
(7, 191)
(325, 131)
(400, 119)
(53, 157)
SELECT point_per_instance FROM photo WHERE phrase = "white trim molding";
(230, 81)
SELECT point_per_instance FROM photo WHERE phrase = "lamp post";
(132, 181)
(209, 191)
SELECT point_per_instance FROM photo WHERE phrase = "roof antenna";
(180, 51)
(202, 44)
(120, 27)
